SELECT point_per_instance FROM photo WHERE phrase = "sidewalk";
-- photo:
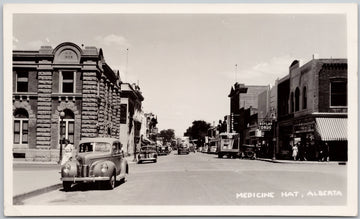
(25, 181)
(33, 178)
(303, 162)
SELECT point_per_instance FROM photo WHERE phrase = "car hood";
(88, 158)
(147, 151)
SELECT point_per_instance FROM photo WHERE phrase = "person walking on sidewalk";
(326, 152)
(69, 150)
(295, 150)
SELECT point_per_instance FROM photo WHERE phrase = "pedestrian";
(69, 150)
(295, 150)
(326, 152)
(321, 152)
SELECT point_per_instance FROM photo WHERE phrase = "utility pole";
(236, 72)
(127, 61)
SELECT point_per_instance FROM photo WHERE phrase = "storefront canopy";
(332, 129)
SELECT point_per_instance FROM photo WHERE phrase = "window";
(67, 81)
(68, 126)
(338, 93)
(292, 102)
(22, 81)
(21, 126)
(304, 98)
(297, 99)
(123, 113)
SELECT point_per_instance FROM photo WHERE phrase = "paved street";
(204, 179)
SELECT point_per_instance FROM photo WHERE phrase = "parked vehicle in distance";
(96, 160)
(248, 151)
(213, 146)
(229, 145)
(147, 153)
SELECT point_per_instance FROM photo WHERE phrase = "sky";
(185, 63)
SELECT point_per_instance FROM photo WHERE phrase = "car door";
(116, 156)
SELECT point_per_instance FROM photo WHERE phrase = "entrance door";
(68, 126)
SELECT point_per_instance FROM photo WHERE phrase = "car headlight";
(104, 168)
(67, 168)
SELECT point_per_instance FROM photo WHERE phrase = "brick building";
(312, 108)
(69, 79)
(243, 111)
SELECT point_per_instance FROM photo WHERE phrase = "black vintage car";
(248, 151)
(163, 150)
(148, 153)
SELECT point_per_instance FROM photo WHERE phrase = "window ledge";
(338, 107)
(66, 94)
(24, 94)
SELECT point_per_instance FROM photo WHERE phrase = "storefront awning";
(332, 129)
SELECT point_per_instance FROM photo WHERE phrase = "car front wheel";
(112, 181)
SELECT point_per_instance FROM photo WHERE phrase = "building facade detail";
(69, 79)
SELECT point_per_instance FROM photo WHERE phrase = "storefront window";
(338, 93)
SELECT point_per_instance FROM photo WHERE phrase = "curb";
(17, 200)
(35, 162)
(303, 162)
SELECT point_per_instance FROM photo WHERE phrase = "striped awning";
(332, 129)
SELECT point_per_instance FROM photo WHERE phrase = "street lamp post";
(274, 137)
(62, 116)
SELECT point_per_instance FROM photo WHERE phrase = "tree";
(198, 131)
(167, 134)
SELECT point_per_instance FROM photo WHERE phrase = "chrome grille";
(85, 171)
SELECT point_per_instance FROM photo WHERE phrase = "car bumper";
(147, 159)
(85, 179)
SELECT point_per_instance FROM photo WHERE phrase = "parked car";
(96, 160)
(147, 153)
(248, 151)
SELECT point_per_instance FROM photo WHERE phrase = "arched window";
(292, 102)
(304, 98)
(297, 99)
(21, 126)
(68, 125)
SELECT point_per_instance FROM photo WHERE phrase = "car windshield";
(147, 149)
(94, 146)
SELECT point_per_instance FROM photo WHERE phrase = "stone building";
(69, 79)
(312, 108)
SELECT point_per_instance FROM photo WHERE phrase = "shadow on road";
(91, 186)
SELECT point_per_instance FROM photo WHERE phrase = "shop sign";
(258, 133)
(306, 127)
(265, 126)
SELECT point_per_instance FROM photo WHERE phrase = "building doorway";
(68, 126)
